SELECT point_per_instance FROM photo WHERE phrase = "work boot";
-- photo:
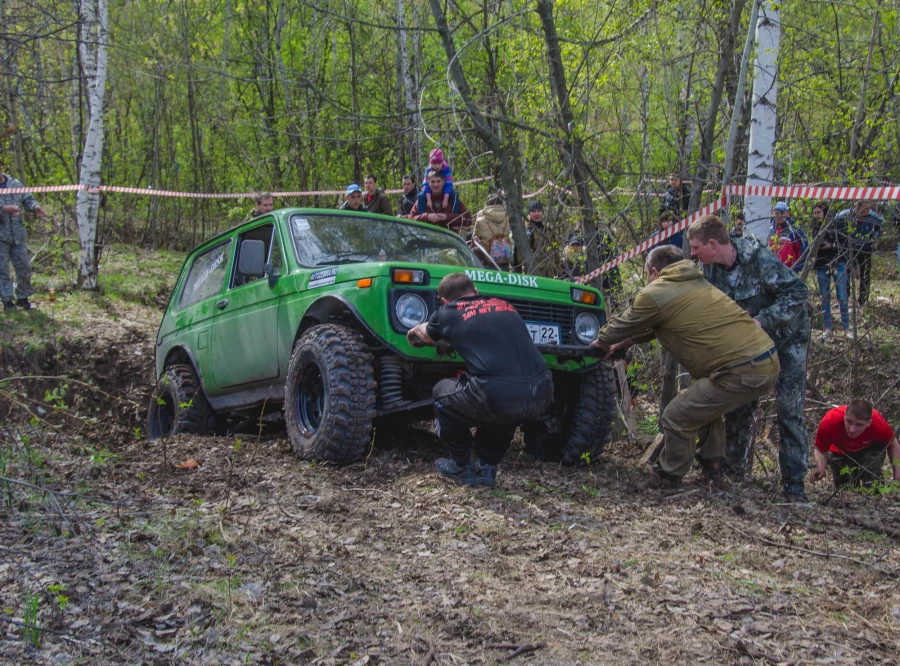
(711, 472)
(24, 304)
(796, 497)
(485, 474)
(9, 306)
(463, 474)
(663, 480)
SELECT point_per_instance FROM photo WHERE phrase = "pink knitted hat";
(437, 155)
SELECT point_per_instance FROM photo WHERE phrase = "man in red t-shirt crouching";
(853, 440)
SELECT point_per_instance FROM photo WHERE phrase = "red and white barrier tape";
(655, 240)
(815, 192)
(96, 189)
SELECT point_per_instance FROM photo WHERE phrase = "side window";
(276, 258)
(206, 275)
(263, 233)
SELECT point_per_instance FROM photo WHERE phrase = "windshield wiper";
(345, 258)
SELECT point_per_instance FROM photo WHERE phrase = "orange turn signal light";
(583, 296)
(407, 276)
(365, 283)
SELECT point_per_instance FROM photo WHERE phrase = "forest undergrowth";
(212, 550)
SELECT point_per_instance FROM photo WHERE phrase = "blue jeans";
(837, 271)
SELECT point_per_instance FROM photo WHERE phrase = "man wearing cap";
(450, 214)
(786, 239)
(574, 257)
(353, 199)
(12, 243)
(775, 297)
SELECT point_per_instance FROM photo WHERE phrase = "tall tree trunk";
(571, 149)
(764, 117)
(409, 90)
(739, 94)
(509, 177)
(95, 20)
(708, 131)
(296, 153)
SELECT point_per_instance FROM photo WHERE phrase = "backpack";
(501, 250)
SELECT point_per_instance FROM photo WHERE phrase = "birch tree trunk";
(92, 48)
(764, 116)
(409, 90)
(739, 94)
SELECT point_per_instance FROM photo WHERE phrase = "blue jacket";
(862, 232)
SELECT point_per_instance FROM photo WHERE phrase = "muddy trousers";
(494, 406)
(790, 401)
(698, 411)
(859, 468)
(18, 255)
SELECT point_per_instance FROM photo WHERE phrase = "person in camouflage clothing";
(12, 243)
(776, 298)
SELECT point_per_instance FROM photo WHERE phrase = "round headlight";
(586, 327)
(411, 310)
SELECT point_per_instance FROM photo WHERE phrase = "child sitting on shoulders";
(436, 163)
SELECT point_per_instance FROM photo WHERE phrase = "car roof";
(335, 212)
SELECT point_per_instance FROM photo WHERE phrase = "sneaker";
(663, 480)
(9, 305)
(485, 474)
(24, 304)
(463, 474)
(827, 334)
(850, 334)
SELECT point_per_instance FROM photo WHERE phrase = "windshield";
(324, 240)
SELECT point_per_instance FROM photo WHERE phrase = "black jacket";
(676, 202)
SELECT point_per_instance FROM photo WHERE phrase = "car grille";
(549, 313)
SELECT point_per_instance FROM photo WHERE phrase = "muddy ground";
(253, 556)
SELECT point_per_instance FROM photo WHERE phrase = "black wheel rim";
(163, 416)
(310, 400)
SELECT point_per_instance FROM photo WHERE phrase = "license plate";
(543, 334)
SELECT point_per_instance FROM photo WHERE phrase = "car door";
(245, 334)
(195, 308)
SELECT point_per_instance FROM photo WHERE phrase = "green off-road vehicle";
(306, 311)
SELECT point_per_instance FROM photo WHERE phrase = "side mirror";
(252, 262)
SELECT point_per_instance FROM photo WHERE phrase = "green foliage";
(31, 631)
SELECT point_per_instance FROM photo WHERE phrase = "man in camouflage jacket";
(12, 242)
(776, 298)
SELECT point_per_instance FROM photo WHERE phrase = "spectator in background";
(737, 229)
(375, 200)
(863, 226)
(677, 198)
(852, 440)
(12, 243)
(534, 229)
(353, 199)
(666, 221)
(831, 264)
(451, 215)
(265, 202)
(786, 239)
(492, 232)
(408, 197)
(574, 257)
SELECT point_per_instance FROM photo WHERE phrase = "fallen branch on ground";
(516, 649)
(884, 572)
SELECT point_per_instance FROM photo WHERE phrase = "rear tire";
(579, 419)
(329, 395)
(179, 405)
